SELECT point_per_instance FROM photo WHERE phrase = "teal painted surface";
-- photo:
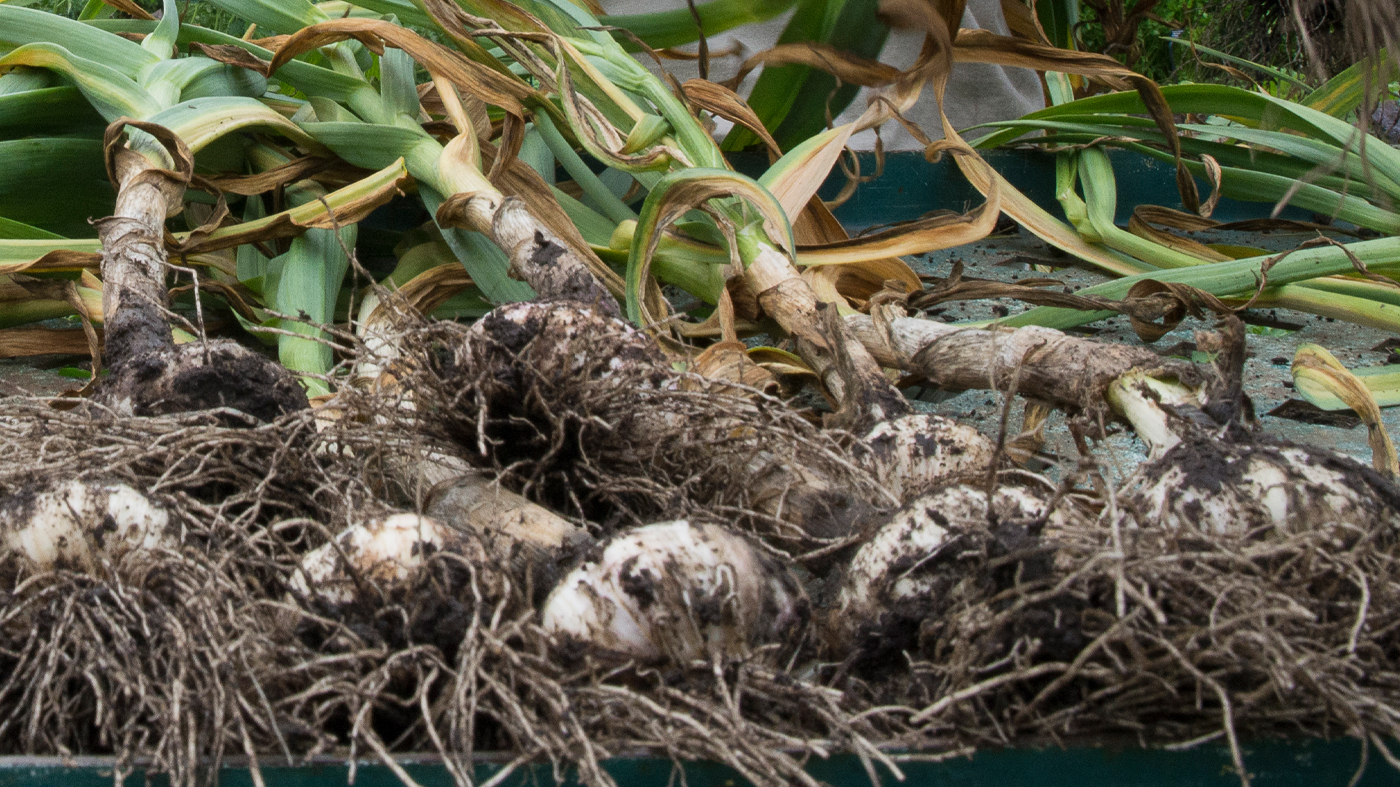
(1273, 764)
(910, 186)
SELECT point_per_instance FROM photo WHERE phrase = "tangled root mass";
(1058, 628)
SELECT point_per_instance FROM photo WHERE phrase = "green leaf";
(778, 87)
(251, 263)
(595, 228)
(563, 17)
(14, 313)
(1345, 92)
(225, 80)
(1382, 381)
(309, 79)
(603, 199)
(486, 263)
(1112, 128)
(675, 195)
(407, 12)
(22, 79)
(202, 121)
(1245, 184)
(166, 79)
(535, 152)
(420, 258)
(857, 31)
(676, 27)
(396, 87)
(75, 184)
(1256, 108)
(112, 93)
(328, 111)
(312, 272)
(1239, 61)
(1101, 202)
(1236, 278)
(20, 26)
(274, 16)
(1310, 150)
(1250, 175)
(368, 145)
(161, 42)
(51, 110)
(375, 146)
(95, 9)
(16, 230)
(1059, 18)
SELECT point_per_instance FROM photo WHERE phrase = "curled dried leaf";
(1314, 365)
(729, 361)
(337, 209)
(723, 101)
(488, 84)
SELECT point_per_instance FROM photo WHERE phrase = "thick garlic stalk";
(473, 502)
(149, 374)
(1140, 398)
(80, 524)
(531, 543)
(678, 592)
(1065, 371)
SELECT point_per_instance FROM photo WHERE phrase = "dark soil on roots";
(198, 377)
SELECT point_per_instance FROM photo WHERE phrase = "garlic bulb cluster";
(1220, 487)
(77, 523)
(915, 453)
(677, 591)
(377, 555)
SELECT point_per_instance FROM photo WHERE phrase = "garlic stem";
(1139, 397)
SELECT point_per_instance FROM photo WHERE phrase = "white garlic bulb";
(1221, 487)
(909, 567)
(558, 340)
(677, 591)
(915, 453)
(380, 553)
(78, 522)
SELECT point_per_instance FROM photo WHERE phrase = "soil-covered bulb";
(77, 523)
(1252, 486)
(916, 453)
(557, 342)
(677, 592)
(377, 556)
(933, 552)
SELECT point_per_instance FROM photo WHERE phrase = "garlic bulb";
(908, 570)
(557, 340)
(74, 524)
(380, 553)
(1221, 487)
(677, 591)
(916, 453)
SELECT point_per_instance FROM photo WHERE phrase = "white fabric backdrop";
(976, 93)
